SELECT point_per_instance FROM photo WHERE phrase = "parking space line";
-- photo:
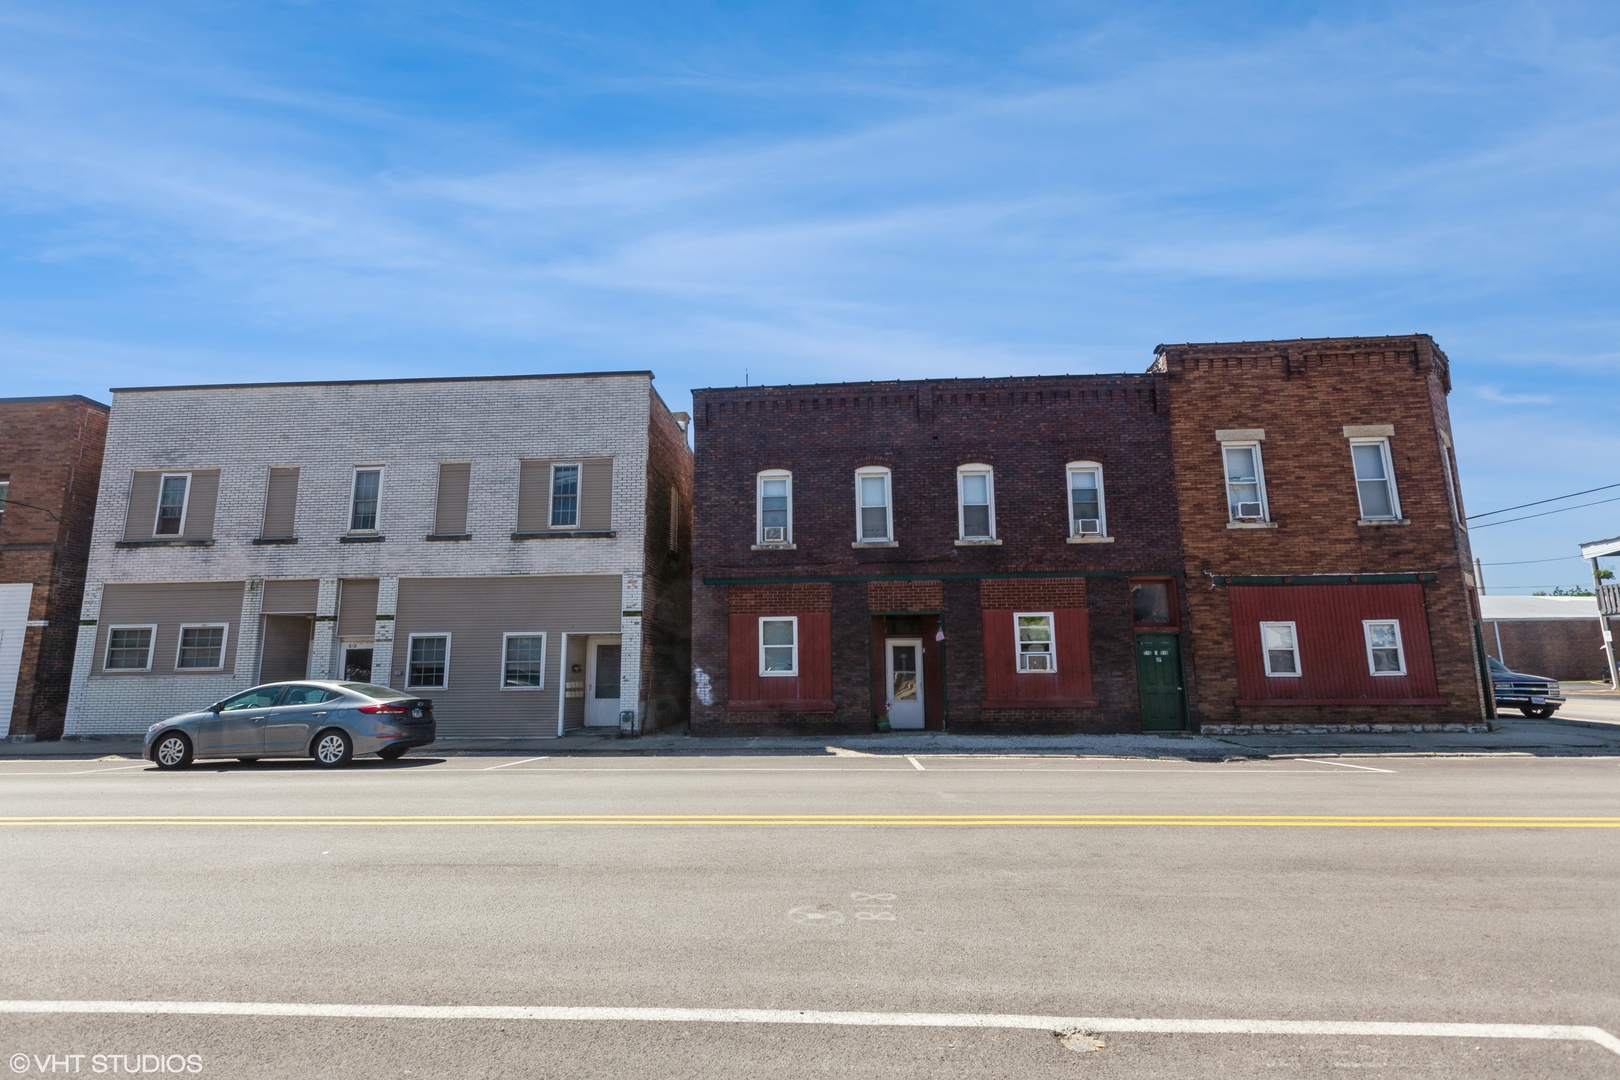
(1260, 821)
(915, 764)
(1343, 764)
(509, 764)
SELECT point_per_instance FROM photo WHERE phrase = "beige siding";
(534, 496)
(450, 518)
(357, 607)
(281, 503)
(285, 655)
(168, 606)
(291, 597)
(476, 612)
(596, 493)
(141, 517)
(200, 503)
(139, 520)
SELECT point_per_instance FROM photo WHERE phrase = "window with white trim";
(565, 496)
(775, 507)
(202, 648)
(1279, 642)
(1087, 514)
(1245, 482)
(874, 513)
(364, 500)
(1375, 479)
(129, 648)
(779, 646)
(1036, 645)
(428, 662)
(976, 502)
(5, 490)
(523, 661)
(674, 518)
(174, 492)
(1384, 653)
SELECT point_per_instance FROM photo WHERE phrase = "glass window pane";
(1369, 459)
(777, 632)
(128, 648)
(260, 697)
(1279, 637)
(873, 491)
(1083, 494)
(367, 483)
(564, 496)
(201, 647)
(975, 489)
(874, 523)
(427, 661)
(1375, 500)
(975, 521)
(1240, 465)
(1150, 603)
(523, 660)
(1381, 635)
(171, 505)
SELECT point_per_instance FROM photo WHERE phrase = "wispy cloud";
(1497, 394)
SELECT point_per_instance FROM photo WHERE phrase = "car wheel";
(332, 749)
(392, 753)
(173, 751)
(1539, 712)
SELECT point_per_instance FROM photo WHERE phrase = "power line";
(1539, 502)
(1545, 513)
(1527, 562)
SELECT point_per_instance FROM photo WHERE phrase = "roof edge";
(53, 397)
(380, 382)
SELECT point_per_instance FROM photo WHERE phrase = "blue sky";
(223, 191)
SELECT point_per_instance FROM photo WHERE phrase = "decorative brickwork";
(1032, 594)
(893, 596)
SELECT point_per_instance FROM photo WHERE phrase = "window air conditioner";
(1088, 527)
(1248, 510)
(776, 534)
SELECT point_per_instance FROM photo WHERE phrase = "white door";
(905, 682)
(14, 601)
(603, 667)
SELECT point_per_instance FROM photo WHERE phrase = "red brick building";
(1087, 553)
(50, 466)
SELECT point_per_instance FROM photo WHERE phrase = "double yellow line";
(1310, 821)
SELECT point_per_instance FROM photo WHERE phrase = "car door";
(237, 730)
(289, 726)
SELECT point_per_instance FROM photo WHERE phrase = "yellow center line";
(970, 820)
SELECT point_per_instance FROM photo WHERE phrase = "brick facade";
(50, 455)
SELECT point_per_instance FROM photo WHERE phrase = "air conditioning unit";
(1250, 510)
(776, 534)
(1088, 527)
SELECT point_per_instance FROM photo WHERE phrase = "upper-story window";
(976, 502)
(874, 515)
(564, 496)
(1245, 482)
(5, 489)
(173, 493)
(1087, 514)
(364, 500)
(1375, 480)
(775, 507)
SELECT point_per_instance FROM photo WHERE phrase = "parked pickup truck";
(1530, 694)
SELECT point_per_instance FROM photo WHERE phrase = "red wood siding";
(1332, 648)
(810, 691)
(1005, 687)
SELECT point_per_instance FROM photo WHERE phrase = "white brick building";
(516, 548)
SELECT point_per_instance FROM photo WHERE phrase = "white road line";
(1343, 764)
(836, 1019)
(509, 764)
(115, 768)
(915, 764)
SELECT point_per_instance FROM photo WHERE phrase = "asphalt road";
(933, 905)
(1601, 707)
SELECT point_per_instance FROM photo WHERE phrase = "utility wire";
(1544, 513)
(1539, 502)
(1527, 562)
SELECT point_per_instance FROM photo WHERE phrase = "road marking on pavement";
(936, 820)
(115, 768)
(509, 764)
(1343, 764)
(915, 764)
(836, 1019)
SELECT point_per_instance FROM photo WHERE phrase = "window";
(202, 648)
(775, 508)
(429, 664)
(260, 697)
(1280, 644)
(1086, 500)
(363, 505)
(565, 496)
(5, 489)
(524, 663)
(1384, 655)
(129, 648)
(1035, 651)
(976, 506)
(1150, 603)
(1375, 480)
(674, 518)
(173, 490)
(298, 694)
(873, 517)
(779, 646)
(1245, 482)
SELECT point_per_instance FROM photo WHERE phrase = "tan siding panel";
(295, 597)
(534, 496)
(143, 499)
(281, 503)
(455, 478)
(201, 500)
(168, 606)
(596, 493)
(476, 612)
(357, 607)
(286, 648)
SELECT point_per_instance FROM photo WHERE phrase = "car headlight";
(155, 726)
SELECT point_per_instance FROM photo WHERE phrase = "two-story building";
(516, 548)
(1256, 534)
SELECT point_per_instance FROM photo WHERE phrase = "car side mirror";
(216, 707)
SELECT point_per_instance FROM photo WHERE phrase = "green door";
(1158, 675)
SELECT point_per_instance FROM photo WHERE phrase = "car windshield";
(1497, 665)
(380, 693)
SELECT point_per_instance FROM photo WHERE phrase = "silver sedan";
(328, 721)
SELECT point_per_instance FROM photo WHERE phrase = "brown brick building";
(50, 466)
(1250, 534)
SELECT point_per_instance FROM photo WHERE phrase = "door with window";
(1158, 677)
(905, 683)
(603, 670)
(357, 662)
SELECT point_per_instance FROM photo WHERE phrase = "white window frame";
(1389, 479)
(579, 493)
(151, 647)
(445, 685)
(763, 619)
(506, 637)
(1018, 642)
(759, 508)
(1265, 652)
(1102, 504)
(224, 643)
(1400, 646)
(868, 472)
(1259, 481)
(5, 493)
(989, 473)
(354, 485)
(185, 504)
